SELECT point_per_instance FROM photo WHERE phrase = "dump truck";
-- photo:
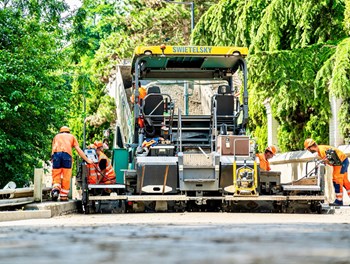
(169, 159)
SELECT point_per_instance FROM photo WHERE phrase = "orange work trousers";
(340, 180)
(61, 172)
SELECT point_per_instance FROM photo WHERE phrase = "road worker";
(339, 161)
(142, 93)
(269, 152)
(140, 120)
(102, 172)
(61, 155)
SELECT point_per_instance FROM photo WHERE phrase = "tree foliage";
(295, 24)
(347, 18)
(142, 23)
(298, 111)
(51, 60)
(334, 77)
(234, 22)
(298, 55)
(32, 100)
(105, 32)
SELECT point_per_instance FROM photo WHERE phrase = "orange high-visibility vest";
(142, 94)
(92, 177)
(109, 174)
(106, 176)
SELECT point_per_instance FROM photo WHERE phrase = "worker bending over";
(102, 172)
(338, 160)
(264, 157)
(62, 161)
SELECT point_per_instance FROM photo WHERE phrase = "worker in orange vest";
(62, 161)
(339, 161)
(103, 172)
(140, 120)
(264, 157)
(142, 93)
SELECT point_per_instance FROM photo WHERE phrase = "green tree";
(107, 31)
(298, 55)
(32, 93)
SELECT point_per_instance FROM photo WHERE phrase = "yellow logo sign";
(177, 49)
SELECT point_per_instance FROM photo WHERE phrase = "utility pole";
(191, 4)
(84, 130)
(192, 16)
(83, 79)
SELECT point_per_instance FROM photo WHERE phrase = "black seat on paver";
(153, 105)
(226, 108)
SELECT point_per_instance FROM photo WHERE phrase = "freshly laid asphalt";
(178, 238)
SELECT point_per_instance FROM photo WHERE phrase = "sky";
(74, 4)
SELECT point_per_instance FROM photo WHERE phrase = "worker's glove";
(318, 161)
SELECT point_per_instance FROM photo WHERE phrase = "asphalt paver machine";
(182, 161)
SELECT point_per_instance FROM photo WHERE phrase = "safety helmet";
(309, 142)
(92, 146)
(98, 144)
(64, 129)
(272, 149)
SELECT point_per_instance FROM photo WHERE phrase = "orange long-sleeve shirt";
(264, 163)
(322, 152)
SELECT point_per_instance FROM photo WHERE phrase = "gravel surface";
(179, 238)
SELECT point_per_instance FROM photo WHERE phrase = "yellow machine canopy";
(187, 62)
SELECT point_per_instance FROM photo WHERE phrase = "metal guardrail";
(15, 202)
(12, 196)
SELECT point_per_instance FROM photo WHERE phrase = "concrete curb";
(56, 208)
(342, 210)
(23, 215)
(40, 210)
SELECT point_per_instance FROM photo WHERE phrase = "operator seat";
(224, 101)
(225, 107)
(153, 105)
(153, 89)
(153, 111)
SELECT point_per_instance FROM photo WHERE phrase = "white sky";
(74, 4)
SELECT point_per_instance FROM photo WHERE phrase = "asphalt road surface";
(178, 238)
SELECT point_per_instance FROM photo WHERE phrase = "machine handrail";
(242, 139)
(179, 131)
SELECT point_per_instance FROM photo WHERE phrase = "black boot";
(337, 203)
(55, 194)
